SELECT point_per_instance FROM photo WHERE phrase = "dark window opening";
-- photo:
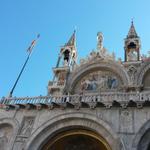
(131, 45)
(66, 55)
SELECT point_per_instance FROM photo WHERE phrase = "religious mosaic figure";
(99, 81)
(112, 82)
(89, 84)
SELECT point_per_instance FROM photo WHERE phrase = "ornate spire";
(65, 64)
(72, 40)
(132, 32)
(132, 45)
(69, 51)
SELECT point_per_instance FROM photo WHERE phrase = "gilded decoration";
(98, 81)
(77, 140)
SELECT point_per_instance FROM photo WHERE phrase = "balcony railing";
(88, 98)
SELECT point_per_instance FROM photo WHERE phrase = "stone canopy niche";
(98, 81)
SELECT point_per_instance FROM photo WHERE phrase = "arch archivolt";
(140, 139)
(102, 65)
(70, 121)
(8, 132)
(141, 73)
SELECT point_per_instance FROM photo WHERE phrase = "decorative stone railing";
(138, 99)
(56, 83)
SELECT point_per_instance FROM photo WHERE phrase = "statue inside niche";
(132, 56)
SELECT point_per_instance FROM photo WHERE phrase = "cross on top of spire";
(132, 32)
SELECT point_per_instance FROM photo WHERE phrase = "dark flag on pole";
(33, 44)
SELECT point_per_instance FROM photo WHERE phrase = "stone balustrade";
(108, 100)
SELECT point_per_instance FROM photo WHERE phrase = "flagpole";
(23, 67)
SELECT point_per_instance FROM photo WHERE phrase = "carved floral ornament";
(98, 81)
(101, 55)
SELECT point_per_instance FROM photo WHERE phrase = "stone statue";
(99, 41)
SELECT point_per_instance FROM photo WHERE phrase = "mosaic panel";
(98, 81)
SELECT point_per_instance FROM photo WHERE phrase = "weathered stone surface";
(122, 125)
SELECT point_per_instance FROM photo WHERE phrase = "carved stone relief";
(126, 121)
(132, 74)
(25, 132)
(98, 81)
(27, 126)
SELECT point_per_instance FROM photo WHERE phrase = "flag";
(32, 44)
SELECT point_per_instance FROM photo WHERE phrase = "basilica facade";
(100, 103)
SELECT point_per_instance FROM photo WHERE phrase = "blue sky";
(55, 20)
